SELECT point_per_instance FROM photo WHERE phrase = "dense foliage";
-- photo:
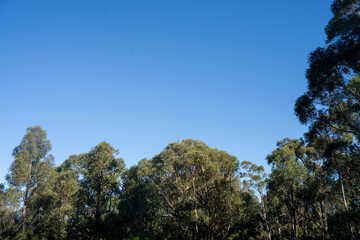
(188, 191)
(193, 191)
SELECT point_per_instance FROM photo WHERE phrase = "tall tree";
(256, 179)
(333, 82)
(24, 171)
(140, 207)
(99, 189)
(65, 189)
(332, 107)
(286, 180)
(30, 175)
(199, 189)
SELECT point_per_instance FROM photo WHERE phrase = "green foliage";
(30, 179)
(286, 182)
(256, 180)
(332, 107)
(99, 180)
(141, 207)
(199, 190)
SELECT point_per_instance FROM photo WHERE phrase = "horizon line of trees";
(192, 191)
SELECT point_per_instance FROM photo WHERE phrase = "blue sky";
(142, 74)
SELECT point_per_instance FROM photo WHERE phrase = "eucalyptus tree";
(331, 105)
(339, 177)
(286, 182)
(30, 175)
(332, 102)
(333, 84)
(29, 156)
(65, 189)
(140, 207)
(98, 196)
(256, 178)
(199, 189)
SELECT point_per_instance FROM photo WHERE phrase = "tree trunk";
(278, 225)
(323, 218)
(351, 230)
(27, 190)
(293, 216)
(264, 216)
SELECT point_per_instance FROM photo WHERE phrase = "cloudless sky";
(140, 74)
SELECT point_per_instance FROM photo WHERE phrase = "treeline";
(192, 191)
(188, 191)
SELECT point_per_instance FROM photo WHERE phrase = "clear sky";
(142, 74)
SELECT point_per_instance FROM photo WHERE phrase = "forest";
(192, 191)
